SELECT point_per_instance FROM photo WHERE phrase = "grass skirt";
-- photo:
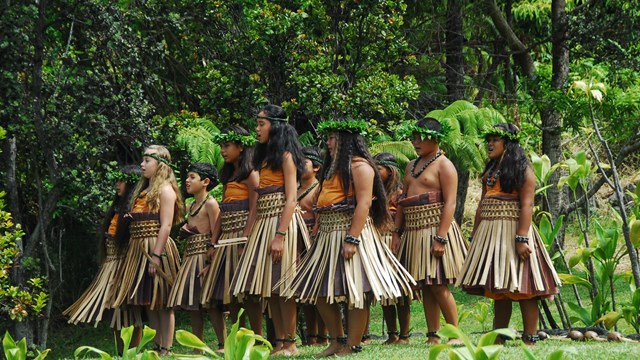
(137, 287)
(493, 268)
(185, 293)
(256, 273)
(93, 305)
(217, 284)
(372, 272)
(421, 224)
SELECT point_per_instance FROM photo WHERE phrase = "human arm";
(213, 217)
(527, 193)
(167, 204)
(448, 178)
(363, 175)
(290, 192)
(399, 218)
(252, 182)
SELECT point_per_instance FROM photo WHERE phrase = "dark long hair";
(514, 161)
(392, 186)
(120, 206)
(282, 138)
(245, 162)
(348, 146)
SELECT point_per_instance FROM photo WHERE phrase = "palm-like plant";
(197, 140)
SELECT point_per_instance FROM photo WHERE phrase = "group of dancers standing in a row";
(295, 227)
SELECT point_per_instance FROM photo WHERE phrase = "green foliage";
(485, 349)
(239, 344)
(481, 313)
(402, 150)
(18, 301)
(549, 232)
(126, 334)
(18, 350)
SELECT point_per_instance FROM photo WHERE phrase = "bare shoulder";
(167, 193)
(361, 167)
(211, 204)
(446, 167)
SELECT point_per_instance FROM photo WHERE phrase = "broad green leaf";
(260, 352)
(42, 355)
(126, 334)
(90, 349)
(561, 353)
(436, 350)
(190, 340)
(492, 351)
(571, 279)
(147, 335)
(451, 331)
(610, 319)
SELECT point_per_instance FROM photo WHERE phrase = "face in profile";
(149, 165)
(263, 128)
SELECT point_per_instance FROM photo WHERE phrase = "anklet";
(356, 348)
(433, 334)
(531, 338)
(365, 337)
(289, 340)
(405, 337)
(220, 345)
(341, 339)
(396, 333)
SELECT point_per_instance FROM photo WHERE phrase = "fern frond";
(198, 143)
(402, 150)
(459, 106)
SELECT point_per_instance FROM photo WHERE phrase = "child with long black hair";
(507, 260)
(152, 260)
(279, 235)
(348, 263)
(237, 216)
(201, 218)
(94, 304)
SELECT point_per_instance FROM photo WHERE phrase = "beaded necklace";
(492, 177)
(413, 168)
(199, 207)
(306, 192)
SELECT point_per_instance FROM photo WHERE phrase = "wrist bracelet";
(156, 255)
(283, 233)
(398, 230)
(210, 245)
(440, 239)
(522, 239)
(350, 239)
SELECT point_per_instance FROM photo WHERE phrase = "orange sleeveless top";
(235, 190)
(332, 192)
(113, 225)
(140, 205)
(269, 177)
(496, 191)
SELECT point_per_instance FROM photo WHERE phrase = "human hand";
(523, 250)
(348, 250)
(276, 249)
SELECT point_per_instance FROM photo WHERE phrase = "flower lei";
(411, 128)
(350, 126)
(244, 140)
(496, 131)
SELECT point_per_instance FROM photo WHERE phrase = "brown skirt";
(421, 225)
(185, 293)
(137, 287)
(493, 267)
(217, 284)
(373, 272)
(256, 273)
(93, 305)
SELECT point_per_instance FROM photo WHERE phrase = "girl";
(348, 262)
(93, 305)
(201, 218)
(391, 179)
(307, 195)
(152, 259)
(237, 215)
(502, 230)
(273, 245)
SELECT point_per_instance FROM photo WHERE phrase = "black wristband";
(157, 255)
(398, 230)
(350, 239)
(522, 239)
(440, 239)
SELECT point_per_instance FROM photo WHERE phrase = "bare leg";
(234, 309)
(330, 314)
(322, 328)
(136, 337)
(154, 323)
(119, 342)
(529, 309)
(357, 326)
(276, 316)
(502, 314)
(167, 327)
(404, 318)
(431, 313)
(448, 307)
(254, 310)
(197, 324)
(311, 335)
(285, 321)
(389, 315)
(219, 326)
(365, 333)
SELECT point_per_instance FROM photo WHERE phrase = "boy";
(201, 217)
(428, 242)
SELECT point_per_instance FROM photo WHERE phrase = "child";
(391, 179)
(502, 230)
(152, 259)
(201, 218)
(432, 248)
(237, 215)
(307, 195)
(348, 262)
(93, 305)
(273, 245)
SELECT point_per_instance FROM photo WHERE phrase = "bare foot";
(393, 338)
(347, 350)
(433, 340)
(404, 339)
(276, 347)
(322, 340)
(330, 350)
(286, 351)
(455, 342)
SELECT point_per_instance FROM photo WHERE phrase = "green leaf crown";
(409, 128)
(497, 131)
(231, 136)
(115, 176)
(350, 126)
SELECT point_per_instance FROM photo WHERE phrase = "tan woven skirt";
(93, 305)
(217, 284)
(185, 292)
(493, 267)
(137, 287)
(256, 273)
(373, 272)
(421, 224)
